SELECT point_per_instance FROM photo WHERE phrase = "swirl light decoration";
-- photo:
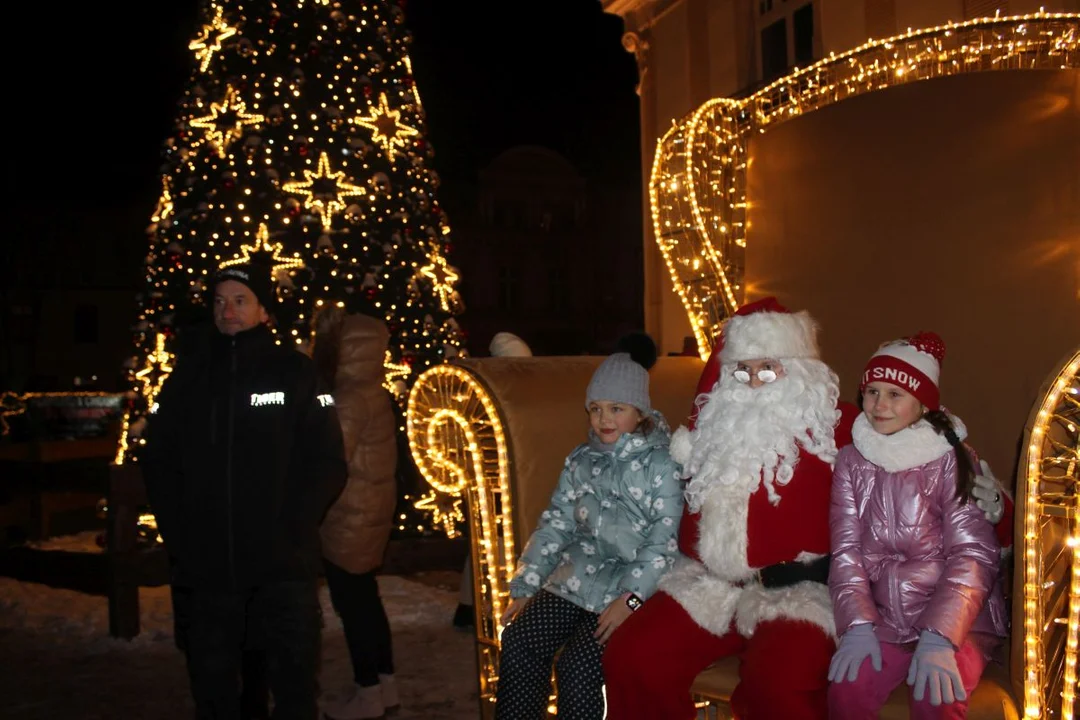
(1050, 584)
(697, 188)
(458, 442)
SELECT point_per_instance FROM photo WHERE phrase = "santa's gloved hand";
(987, 494)
(856, 645)
(934, 664)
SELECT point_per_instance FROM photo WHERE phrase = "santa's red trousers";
(652, 659)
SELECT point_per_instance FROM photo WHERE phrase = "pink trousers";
(861, 700)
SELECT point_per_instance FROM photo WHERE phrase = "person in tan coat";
(349, 351)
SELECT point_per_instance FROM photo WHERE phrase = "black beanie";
(256, 278)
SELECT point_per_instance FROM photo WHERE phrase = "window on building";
(774, 57)
(509, 288)
(86, 323)
(22, 324)
(803, 27)
(557, 299)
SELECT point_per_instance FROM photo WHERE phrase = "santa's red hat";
(912, 363)
(767, 329)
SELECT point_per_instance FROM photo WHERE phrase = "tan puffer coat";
(357, 527)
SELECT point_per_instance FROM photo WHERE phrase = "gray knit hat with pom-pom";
(622, 378)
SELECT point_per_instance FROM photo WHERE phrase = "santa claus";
(754, 537)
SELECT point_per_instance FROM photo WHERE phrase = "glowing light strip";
(1035, 682)
(697, 188)
(446, 396)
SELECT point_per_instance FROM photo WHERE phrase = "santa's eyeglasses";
(766, 376)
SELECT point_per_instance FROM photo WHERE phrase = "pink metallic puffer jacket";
(907, 556)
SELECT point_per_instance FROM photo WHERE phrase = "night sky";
(82, 159)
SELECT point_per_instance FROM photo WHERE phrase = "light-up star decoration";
(445, 511)
(165, 203)
(323, 190)
(226, 121)
(270, 251)
(386, 127)
(210, 39)
(157, 368)
(394, 372)
(442, 277)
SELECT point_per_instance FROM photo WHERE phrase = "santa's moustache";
(746, 436)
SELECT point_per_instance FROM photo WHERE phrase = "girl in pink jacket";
(914, 576)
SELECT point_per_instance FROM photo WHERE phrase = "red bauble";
(448, 248)
(228, 184)
(370, 293)
(408, 359)
(302, 149)
(420, 144)
(368, 91)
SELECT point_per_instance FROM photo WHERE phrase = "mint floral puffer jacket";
(612, 524)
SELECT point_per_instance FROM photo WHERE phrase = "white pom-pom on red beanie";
(913, 364)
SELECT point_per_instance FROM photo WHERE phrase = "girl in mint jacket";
(608, 535)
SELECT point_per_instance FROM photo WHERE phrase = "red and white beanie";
(767, 329)
(913, 364)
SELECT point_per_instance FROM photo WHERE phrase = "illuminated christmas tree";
(299, 143)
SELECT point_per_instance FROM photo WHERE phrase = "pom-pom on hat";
(767, 329)
(913, 364)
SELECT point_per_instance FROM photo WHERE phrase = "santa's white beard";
(746, 436)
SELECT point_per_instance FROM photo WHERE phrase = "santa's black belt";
(789, 573)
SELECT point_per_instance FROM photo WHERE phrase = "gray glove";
(987, 494)
(858, 643)
(934, 664)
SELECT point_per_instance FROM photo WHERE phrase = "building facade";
(690, 51)
(548, 256)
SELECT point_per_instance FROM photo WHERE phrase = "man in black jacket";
(244, 456)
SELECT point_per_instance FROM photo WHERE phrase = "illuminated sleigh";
(495, 429)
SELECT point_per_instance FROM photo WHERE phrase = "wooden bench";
(499, 429)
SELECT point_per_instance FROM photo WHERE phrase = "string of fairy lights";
(299, 147)
(697, 187)
(1051, 487)
(459, 443)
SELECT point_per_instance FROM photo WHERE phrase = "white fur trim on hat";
(769, 335)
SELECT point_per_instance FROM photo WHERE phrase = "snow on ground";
(58, 661)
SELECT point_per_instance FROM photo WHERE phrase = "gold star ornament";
(262, 244)
(157, 368)
(226, 121)
(165, 203)
(210, 38)
(442, 277)
(386, 127)
(323, 190)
